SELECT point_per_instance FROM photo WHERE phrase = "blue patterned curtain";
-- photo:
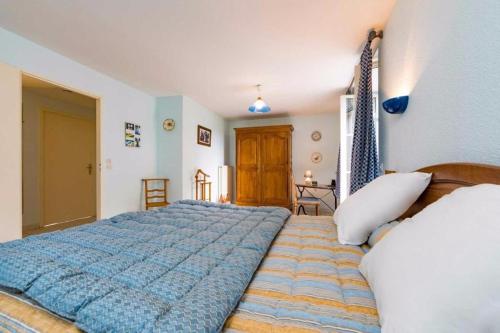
(364, 158)
(337, 178)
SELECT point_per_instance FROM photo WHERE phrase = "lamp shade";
(259, 106)
(396, 105)
(308, 174)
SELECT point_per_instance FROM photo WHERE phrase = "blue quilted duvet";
(178, 269)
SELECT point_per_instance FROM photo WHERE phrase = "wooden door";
(247, 168)
(68, 168)
(275, 166)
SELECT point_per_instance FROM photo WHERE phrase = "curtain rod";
(373, 34)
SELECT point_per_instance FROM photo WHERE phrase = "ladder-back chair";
(155, 196)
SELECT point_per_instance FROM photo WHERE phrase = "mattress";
(179, 269)
(308, 282)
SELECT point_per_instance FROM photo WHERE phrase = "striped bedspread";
(307, 283)
(20, 315)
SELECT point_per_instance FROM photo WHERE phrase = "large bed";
(306, 283)
(199, 267)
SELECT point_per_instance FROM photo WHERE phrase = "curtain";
(364, 158)
(337, 178)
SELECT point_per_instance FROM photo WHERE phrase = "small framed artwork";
(204, 136)
(132, 135)
(316, 135)
(316, 157)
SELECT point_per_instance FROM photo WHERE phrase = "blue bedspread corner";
(180, 268)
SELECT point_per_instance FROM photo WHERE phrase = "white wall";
(33, 104)
(179, 154)
(121, 185)
(197, 156)
(445, 54)
(302, 144)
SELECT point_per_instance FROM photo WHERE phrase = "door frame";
(98, 101)
(11, 171)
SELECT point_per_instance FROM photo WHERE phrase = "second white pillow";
(383, 200)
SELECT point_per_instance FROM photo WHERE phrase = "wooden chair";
(202, 185)
(303, 202)
(155, 196)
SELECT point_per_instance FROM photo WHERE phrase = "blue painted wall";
(178, 153)
(169, 144)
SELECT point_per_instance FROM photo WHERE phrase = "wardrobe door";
(275, 166)
(247, 168)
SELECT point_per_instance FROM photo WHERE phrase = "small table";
(331, 189)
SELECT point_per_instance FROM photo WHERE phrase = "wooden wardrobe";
(263, 165)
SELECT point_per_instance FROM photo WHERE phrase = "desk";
(305, 188)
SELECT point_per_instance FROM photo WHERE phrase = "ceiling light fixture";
(259, 106)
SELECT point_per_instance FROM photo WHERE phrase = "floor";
(60, 226)
(323, 211)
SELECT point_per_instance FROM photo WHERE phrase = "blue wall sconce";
(396, 105)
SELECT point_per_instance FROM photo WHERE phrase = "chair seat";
(308, 200)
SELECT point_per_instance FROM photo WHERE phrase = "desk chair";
(299, 203)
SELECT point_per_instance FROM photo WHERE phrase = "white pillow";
(383, 200)
(439, 271)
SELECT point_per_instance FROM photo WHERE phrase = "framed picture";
(132, 135)
(204, 136)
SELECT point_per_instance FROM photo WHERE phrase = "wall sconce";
(396, 105)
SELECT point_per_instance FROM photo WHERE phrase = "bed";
(306, 282)
(178, 269)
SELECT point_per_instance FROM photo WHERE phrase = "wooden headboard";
(448, 177)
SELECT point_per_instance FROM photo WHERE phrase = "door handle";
(89, 167)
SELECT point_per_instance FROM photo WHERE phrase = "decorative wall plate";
(316, 157)
(316, 135)
(168, 124)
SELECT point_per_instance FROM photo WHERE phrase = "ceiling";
(214, 51)
(53, 91)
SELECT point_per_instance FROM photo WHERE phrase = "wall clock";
(316, 157)
(316, 135)
(168, 124)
